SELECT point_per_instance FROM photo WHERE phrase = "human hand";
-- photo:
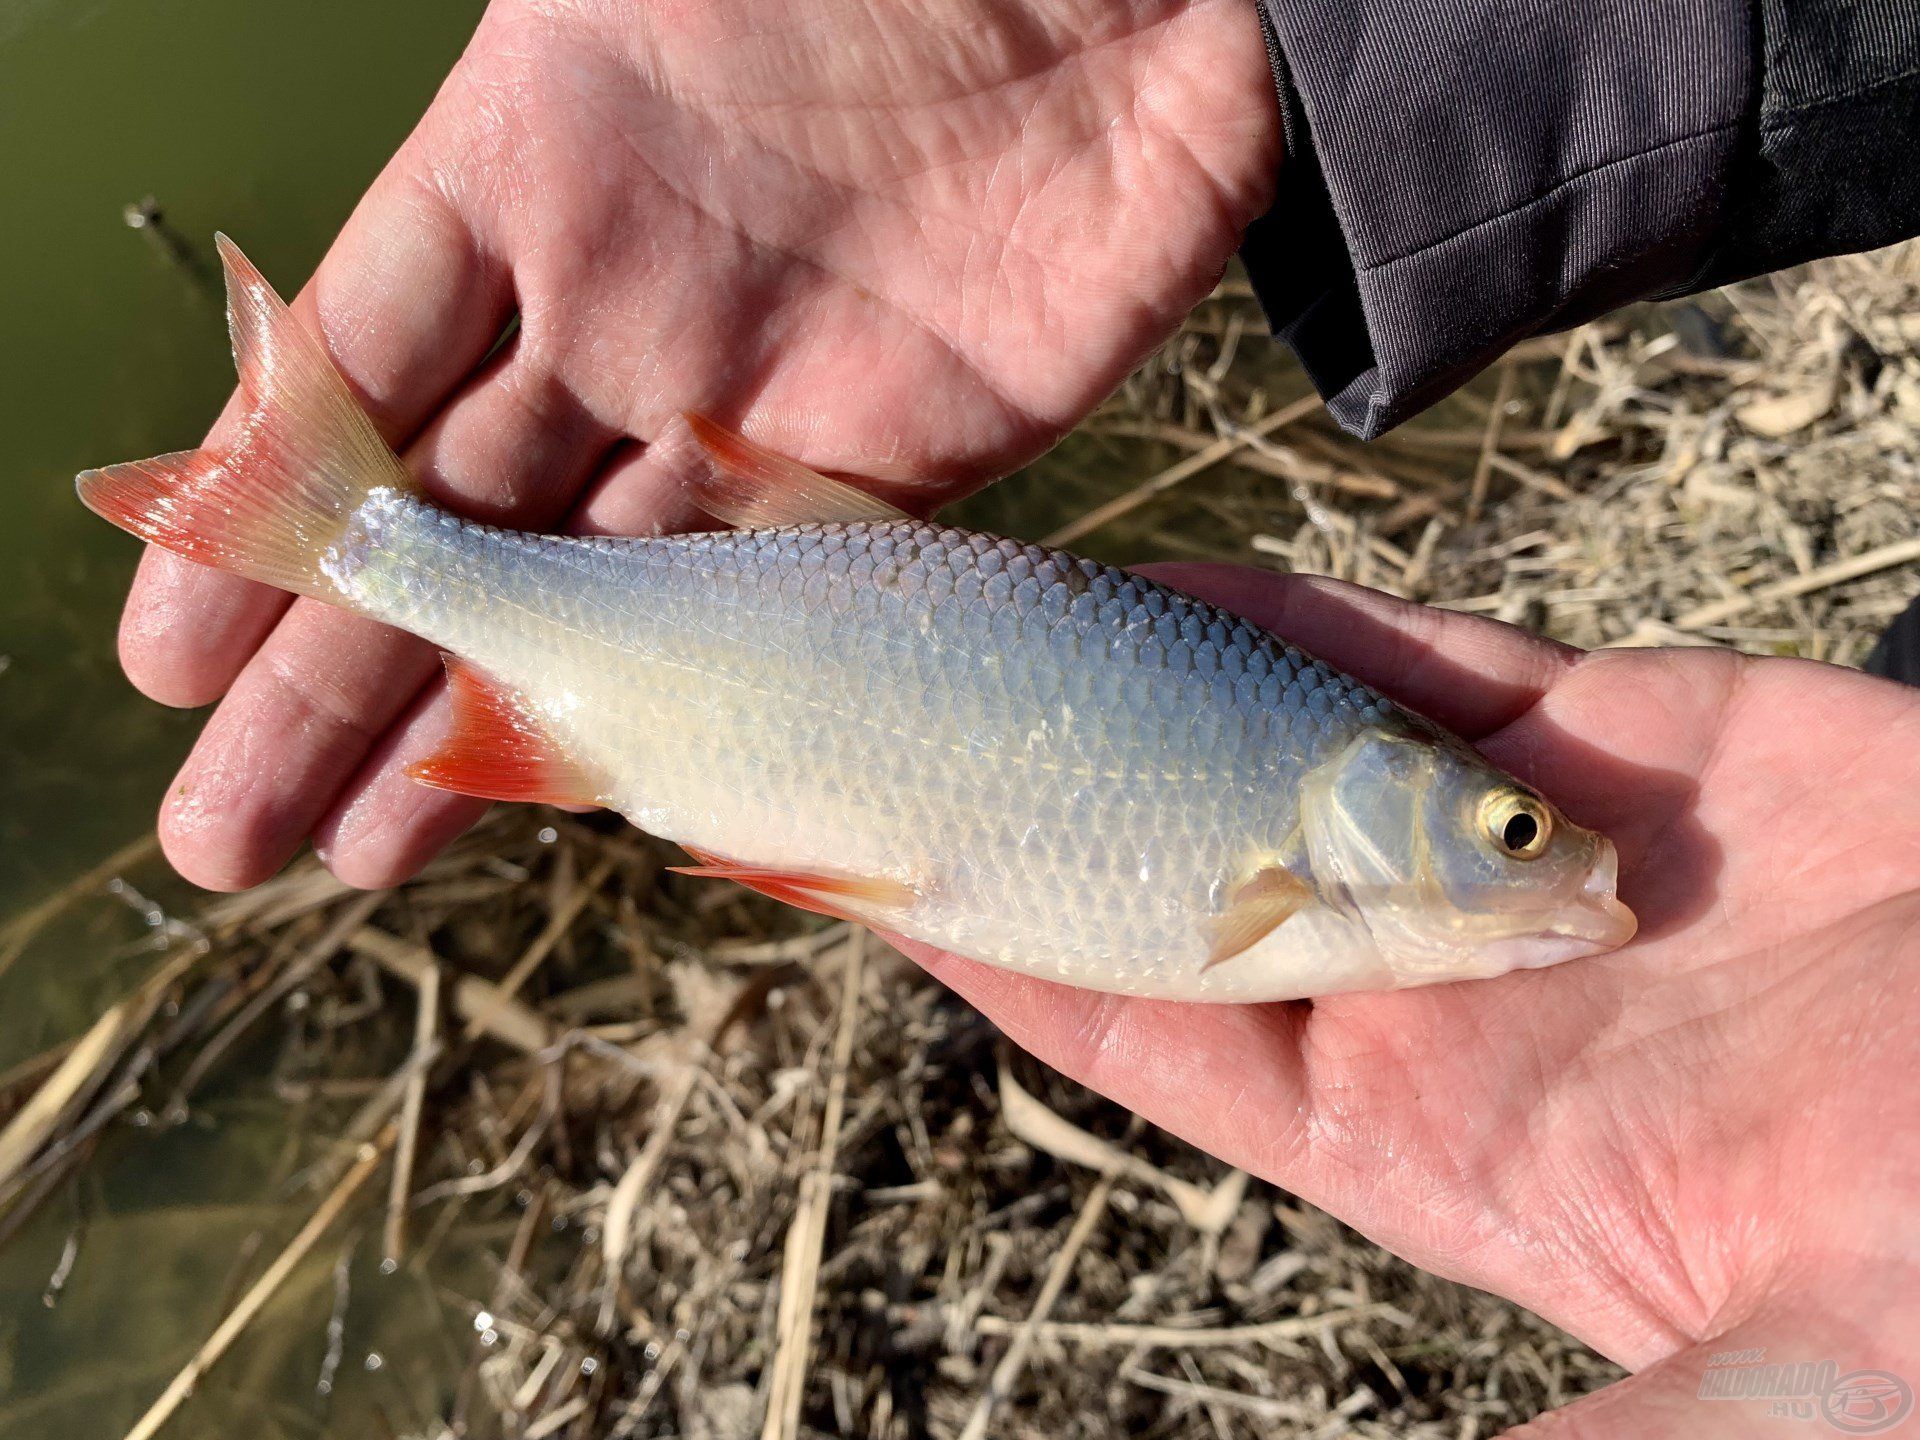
(919, 242)
(1705, 1140)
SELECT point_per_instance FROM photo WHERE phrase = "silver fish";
(1010, 752)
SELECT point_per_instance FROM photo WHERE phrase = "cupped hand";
(918, 242)
(1703, 1141)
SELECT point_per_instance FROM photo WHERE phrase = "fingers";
(408, 300)
(383, 827)
(289, 747)
(645, 490)
(1228, 1078)
(1468, 673)
(186, 630)
(515, 448)
(300, 718)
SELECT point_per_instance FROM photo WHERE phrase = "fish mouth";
(1592, 923)
(1596, 917)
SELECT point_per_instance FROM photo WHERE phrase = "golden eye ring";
(1516, 824)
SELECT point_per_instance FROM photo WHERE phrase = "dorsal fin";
(755, 489)
(499, 749)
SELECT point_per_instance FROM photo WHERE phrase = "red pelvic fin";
(754, 488)
(500, 749)
(861, 899)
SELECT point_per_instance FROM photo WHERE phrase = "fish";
(1009, 752)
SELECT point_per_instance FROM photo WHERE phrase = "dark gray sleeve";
(1461, 174)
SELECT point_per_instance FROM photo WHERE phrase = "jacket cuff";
(1461, 174)
(1831, 167)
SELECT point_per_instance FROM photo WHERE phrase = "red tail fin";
(266, 500)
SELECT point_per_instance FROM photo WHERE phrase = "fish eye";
(1516, 824)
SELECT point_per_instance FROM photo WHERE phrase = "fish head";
(1454, 868)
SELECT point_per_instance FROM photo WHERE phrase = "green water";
(266, 120)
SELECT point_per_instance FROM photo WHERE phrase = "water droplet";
(374, 1362)
(489, 1337)
(548, 835)
(389, 1265)
(589, 1365)
(483, 1321)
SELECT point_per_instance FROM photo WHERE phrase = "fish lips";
(1594, 922)
(1596, 916)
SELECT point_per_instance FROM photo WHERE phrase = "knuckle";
(317, 700)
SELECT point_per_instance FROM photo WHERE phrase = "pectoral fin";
(861, 899)
(1257, 908)
(754, 488)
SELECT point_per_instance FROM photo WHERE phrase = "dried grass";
(753, 1173)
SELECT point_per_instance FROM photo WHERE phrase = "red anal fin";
(499, 749)
(843, 897)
